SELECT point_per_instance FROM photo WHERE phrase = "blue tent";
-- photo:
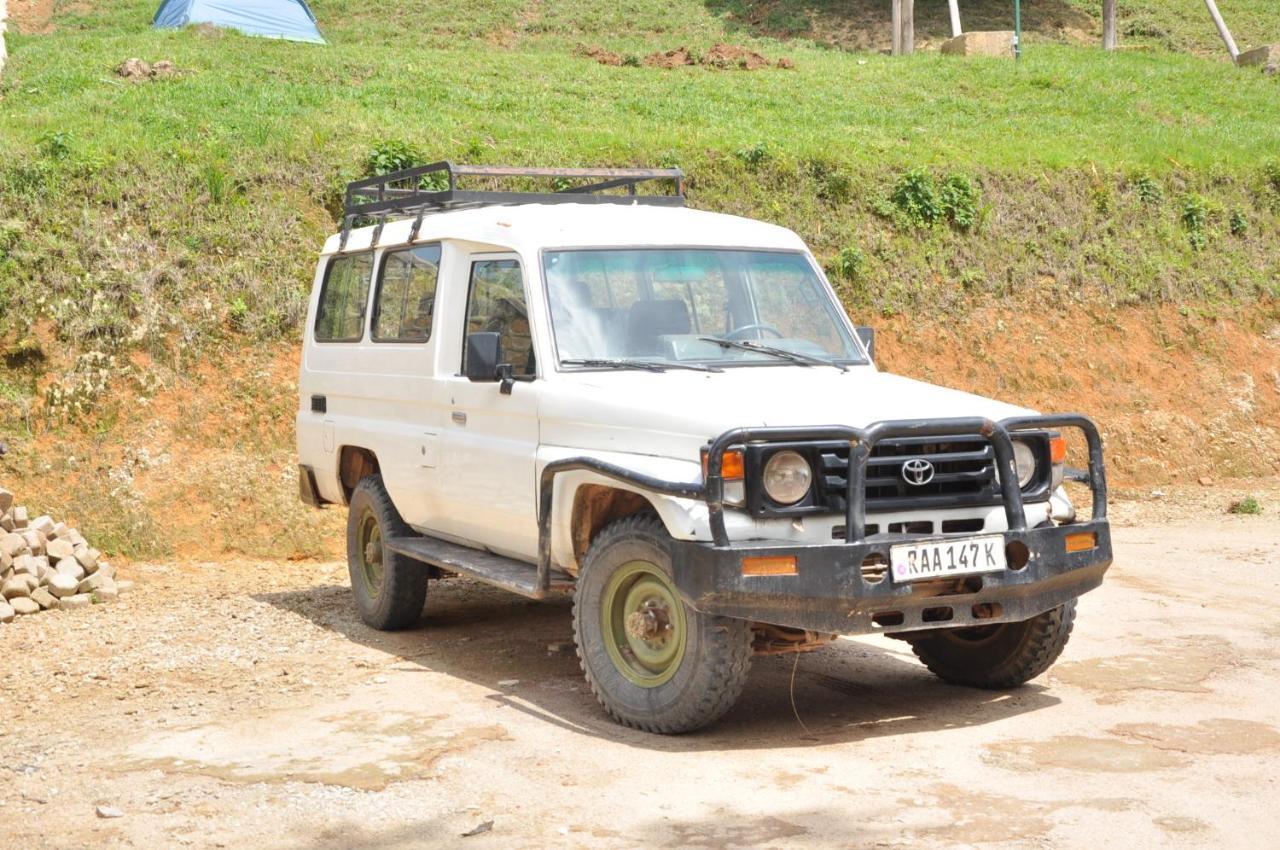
(289, 19)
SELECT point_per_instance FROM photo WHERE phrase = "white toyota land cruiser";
(667, 414)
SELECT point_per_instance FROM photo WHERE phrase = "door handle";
(459, 417)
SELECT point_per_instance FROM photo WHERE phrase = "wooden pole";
(908, 26)
(954, 6)
(1222, 30)
(1109, 40)
(897, 27)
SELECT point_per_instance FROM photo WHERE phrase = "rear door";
(489, 440)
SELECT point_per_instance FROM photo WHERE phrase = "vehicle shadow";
(849, 691)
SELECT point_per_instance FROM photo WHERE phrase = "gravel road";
(243, 705)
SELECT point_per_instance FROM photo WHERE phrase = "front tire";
(1001, 656)
(390, 588)
(653, 662)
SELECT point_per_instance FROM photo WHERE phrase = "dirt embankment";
(201, 463)
(31, 16)
(1179, 395)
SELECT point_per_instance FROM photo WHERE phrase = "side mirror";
(868, 337)
(484, 360)
(484, 353)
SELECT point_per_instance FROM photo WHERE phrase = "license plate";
(942, 558)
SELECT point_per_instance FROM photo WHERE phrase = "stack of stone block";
(46, 565)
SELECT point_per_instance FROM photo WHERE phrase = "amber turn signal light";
(731, 467)
(1082, 541)
(769, 565)
(1057, 449)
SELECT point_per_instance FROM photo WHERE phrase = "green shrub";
(1248, 506)
(1147, 188)
(392, 155)
(754, 156)
(850, 264)
(916, 199)
(1195, 218)
(960, 201)
(1239, 223)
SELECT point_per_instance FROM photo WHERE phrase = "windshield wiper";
(794, 357)
(643, 365)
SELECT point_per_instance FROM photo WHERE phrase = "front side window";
(496, 303)
(406, 295)
(340, 315)
(714, 307)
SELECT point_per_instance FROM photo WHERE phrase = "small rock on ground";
(24, 605)
(15, 587)
(61, 585)
(6, 612)
(79, 600)
(108, 812)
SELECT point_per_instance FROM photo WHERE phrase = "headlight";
(787, 477)
(1024, 461)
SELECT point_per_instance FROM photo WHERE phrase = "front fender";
(684, 518)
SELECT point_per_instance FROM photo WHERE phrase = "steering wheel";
(740, 333)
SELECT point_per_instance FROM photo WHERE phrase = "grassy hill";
(157, 238)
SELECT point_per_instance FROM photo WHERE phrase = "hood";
(674, 413)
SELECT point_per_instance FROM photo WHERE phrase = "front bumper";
(829, 593)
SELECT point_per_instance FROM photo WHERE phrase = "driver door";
(489, 440)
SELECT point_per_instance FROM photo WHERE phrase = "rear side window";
(406, 295)
(340, 316)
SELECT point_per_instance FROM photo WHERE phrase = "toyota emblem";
(917, 471)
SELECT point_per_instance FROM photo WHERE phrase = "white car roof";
(528, 228)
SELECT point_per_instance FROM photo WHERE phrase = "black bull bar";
(828, 591)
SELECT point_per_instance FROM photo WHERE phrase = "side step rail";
(497, 570)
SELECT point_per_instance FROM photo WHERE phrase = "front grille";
(964, 473)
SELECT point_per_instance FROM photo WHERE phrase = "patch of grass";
(1248, 506)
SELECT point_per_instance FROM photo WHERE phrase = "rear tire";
(997, 657)
(653, 662)
(390, 588)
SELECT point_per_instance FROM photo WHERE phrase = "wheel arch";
(355, 463)
(585, 503)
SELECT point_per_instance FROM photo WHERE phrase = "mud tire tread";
(725, 649)
(1033, 646)
(404, 580)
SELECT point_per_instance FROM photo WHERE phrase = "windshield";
(706, 306)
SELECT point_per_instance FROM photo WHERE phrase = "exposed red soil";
(731, 56)
(31, 16)
(677, 58)
(604, 57)
(1178, 396)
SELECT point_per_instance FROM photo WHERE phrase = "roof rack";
(418, 192)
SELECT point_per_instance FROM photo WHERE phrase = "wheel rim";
(369, 553)
(644, 624)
